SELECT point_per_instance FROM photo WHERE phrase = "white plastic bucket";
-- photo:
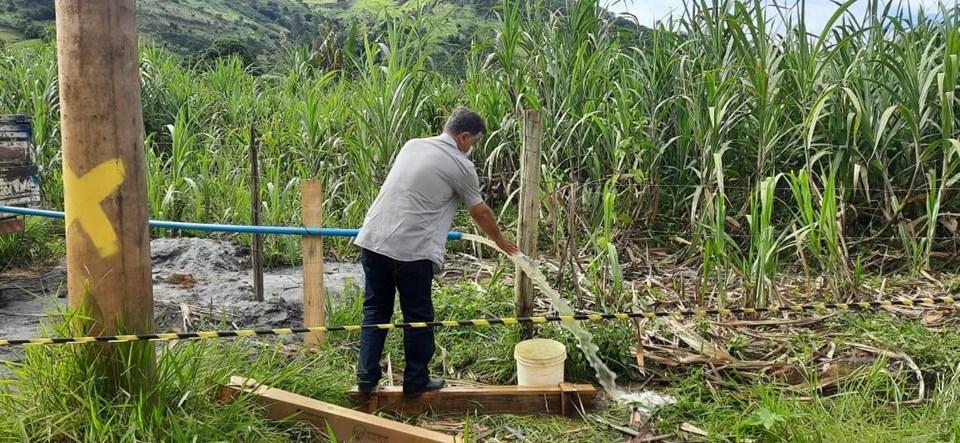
(540, 362)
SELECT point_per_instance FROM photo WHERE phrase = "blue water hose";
(205, 227)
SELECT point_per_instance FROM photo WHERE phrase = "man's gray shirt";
(411, 216)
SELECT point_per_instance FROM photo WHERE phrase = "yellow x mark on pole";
(85, 196)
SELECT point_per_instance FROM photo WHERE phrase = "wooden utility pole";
(314, 293)
(257, 249)
(529, 211)
(108, 243)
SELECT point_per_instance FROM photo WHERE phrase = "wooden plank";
(11, 135)
(314, 293)
(347, 424)
(11, 144)
(23, 200)
(17, 185)
(16, 152)
(11, 225)
(23, 172)
(565, 399)
(17, 128)
(529, 212)
(14, 119)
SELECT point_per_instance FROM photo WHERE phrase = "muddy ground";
(192, 278)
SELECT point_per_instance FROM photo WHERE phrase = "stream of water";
(584, 339)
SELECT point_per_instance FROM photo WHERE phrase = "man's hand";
(483, 216)
(507, 246)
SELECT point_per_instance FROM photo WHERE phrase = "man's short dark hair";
(464, 120)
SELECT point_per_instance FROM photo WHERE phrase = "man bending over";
(403, 240)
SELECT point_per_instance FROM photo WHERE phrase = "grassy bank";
(784, 391)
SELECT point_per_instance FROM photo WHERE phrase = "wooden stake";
(257, 252)
(314, 293)
(564, 399)
(571, 254)
(104, 183)
(529, 212)
(347, 424)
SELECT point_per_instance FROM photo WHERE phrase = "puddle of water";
(584, 339)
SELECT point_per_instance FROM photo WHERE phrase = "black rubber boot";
(367, 391)
(435, 384)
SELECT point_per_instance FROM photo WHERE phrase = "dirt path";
(197, 277)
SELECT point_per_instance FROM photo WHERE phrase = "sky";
(818, 11)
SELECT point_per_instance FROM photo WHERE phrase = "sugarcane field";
(479, 221)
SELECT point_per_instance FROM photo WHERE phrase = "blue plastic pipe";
(237, 229)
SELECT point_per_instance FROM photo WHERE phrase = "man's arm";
(483, 216)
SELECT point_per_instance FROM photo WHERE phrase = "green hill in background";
(264, 27)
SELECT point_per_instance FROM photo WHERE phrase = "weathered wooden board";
(9, 135)
(14, 151)
(347, 424)
(565, 399)
(19, 183)
(20, 128)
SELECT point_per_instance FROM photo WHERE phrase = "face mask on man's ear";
(467, 140)
(473, 146)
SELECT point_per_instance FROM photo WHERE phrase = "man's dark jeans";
(384, 277)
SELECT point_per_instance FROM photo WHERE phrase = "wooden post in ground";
(529, 212)
(257, 249)
(108, 243)
(314, 293)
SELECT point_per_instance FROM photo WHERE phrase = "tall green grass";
(692, 117)
(40, 243)
(52, 395)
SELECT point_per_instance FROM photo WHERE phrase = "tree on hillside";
(31, 30)
(42, 11)
(50, 33)
(225, 47)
